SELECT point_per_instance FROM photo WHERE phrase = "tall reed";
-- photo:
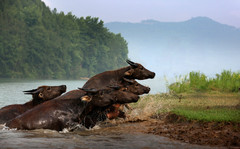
(227, 81)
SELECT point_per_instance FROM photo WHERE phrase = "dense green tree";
(36, 42)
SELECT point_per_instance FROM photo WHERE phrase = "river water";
(102, 136)
(11, 90)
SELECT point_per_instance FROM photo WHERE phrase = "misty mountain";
(173, 48)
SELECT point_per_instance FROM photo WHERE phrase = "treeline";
(227, 81)
(36, 42)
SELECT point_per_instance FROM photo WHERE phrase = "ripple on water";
(118, 136)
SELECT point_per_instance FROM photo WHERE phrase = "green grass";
(219, 107)
(206, 99)
(226, 82)
(216, 114)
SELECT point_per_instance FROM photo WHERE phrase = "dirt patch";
(223, 134)
(195, 132)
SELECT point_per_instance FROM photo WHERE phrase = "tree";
(36, 42)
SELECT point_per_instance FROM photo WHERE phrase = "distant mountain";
(172, 48)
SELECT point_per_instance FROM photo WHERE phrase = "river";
(11, 89)
(122, 135)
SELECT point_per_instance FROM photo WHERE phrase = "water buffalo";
(133, 86)
(65, 111)
(102, 80)
(134, 71)
(96, 109)
(39, 95)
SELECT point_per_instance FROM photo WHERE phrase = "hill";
(36, 42)
(173, 48)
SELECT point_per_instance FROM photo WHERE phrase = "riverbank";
(196, 132)
(208, 119)
(150, 124)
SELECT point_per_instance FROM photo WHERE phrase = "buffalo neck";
(35, 101)
(73, 94)
(121, 72)
(104, 79)
(72, 100)
(75, 106)
(32, 103)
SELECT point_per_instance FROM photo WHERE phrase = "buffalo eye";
(49, 88)
(101, 93)
(124, 89)
(136, 84)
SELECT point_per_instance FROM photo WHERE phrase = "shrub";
(227, 81)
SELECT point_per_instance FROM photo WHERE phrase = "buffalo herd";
(100, 98)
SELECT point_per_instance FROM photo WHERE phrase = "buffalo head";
(46, 92)
(111, 95)
(135, 87)
(120, 95)
(137, 71)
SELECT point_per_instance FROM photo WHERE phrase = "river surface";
(104, 136)
(11, 91)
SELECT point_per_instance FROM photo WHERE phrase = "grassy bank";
(197, 109)
(220, 107)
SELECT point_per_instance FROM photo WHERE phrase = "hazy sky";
(223, 11)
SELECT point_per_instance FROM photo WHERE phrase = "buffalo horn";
(128, 80)
(115, 87)
(33, 91)
(131, 63)
(28, 93)
(89, 90)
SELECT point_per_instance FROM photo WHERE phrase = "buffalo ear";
(40, 95)
(129, 72)
(86, 98)
(90, 91)
(128, 80)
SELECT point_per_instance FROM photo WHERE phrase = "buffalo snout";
(63, 88)
(148, 74)
(152, 75)
(147, 90)
(134, 98)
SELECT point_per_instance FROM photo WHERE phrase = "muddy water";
(110, 136)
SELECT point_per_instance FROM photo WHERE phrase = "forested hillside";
(36, 42)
